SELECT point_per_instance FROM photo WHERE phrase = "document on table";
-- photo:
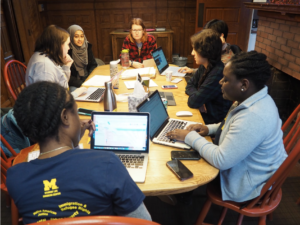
(175, 72)
(97, 80)
(142, 71)
(130, 84)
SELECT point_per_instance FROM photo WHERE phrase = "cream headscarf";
(79, 54)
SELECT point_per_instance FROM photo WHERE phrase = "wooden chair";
(97, 220)
(261, 206)
(14, 76)
(290, 139)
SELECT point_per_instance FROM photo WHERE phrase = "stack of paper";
(175, 72)
(97, 81)
(148, 71)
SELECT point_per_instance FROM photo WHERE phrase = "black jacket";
(92, 64)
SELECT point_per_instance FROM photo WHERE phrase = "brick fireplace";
(278, 37)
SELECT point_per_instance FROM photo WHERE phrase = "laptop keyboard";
(132, 161)
(96, 94)
(172, 125)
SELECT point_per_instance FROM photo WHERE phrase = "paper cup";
(169, 75)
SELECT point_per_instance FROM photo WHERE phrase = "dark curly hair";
(38, 108)
(208, 44)
(252, 66)
(217, 25)
(50, 43)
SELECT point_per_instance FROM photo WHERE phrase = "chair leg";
(270, 216)
(240, 219)
(262, 220)
(203, 212)
(222, 217)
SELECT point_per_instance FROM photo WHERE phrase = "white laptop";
(127, 135)
(162, 63)
(93, 94)
(161, 123)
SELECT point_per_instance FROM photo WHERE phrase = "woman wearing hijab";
(81, 53)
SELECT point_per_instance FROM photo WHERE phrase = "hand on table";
(177, 134)
(201, 129)
(87, 125)
(68, 60)
(137, 65)
(79, 91)
(185, 70)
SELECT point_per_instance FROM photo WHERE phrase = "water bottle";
(125, 58)
(110, 103)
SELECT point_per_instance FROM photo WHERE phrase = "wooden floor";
(288, 213)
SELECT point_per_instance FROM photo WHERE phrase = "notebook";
(162, 63)
(93, 94)
(161, 123)
(127, 135)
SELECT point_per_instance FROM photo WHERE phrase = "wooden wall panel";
(103, 16)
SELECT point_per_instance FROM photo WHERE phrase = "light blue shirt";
(250, 148)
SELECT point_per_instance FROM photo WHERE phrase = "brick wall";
(280, 41)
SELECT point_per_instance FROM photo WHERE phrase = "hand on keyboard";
(177, 134)
(79, 91)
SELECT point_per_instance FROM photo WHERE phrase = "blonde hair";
(138, 21)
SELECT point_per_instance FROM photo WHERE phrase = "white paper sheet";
(141, 71)
(175, 72)
(97, 80)
(130, 84)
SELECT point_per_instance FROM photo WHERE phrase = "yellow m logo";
(50, 185)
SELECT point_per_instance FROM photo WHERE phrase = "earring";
(242, 89)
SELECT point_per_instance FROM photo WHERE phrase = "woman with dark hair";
(51, 61)
(139, 43)
(82, 54)
(66, 181)
(248, 146)
(203, 88)
(221, 28)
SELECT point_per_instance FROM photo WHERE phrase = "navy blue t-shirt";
(78, 182)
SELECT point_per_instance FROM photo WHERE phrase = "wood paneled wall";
(99, 17)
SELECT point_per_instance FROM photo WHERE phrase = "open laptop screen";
(157, 110)
(121, 131)
(160, 60)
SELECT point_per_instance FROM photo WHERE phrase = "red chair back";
(267, 196)
(97, 220)
(290, 139)
(7, 145)
(14, 76)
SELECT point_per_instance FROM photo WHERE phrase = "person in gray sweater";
(248, 146)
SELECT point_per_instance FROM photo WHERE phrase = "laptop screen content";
(158, 113)
(120, 132)
(160, 59)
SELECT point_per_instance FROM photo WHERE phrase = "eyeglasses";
(139, 30)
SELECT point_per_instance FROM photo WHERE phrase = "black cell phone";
(86, 112)
(180, 170)
(185, 155)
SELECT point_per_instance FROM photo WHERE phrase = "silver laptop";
(127, 135)
(161, 123)
(163, 65)
(93, 94)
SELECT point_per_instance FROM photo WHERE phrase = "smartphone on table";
(169, 86)
(86, 112)
(185, 155)
(180, 170)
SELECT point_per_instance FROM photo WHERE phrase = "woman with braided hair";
(65, 181)
(248, 146)
(204, 88)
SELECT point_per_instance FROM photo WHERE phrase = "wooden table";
(163, 39)
(159, 179)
